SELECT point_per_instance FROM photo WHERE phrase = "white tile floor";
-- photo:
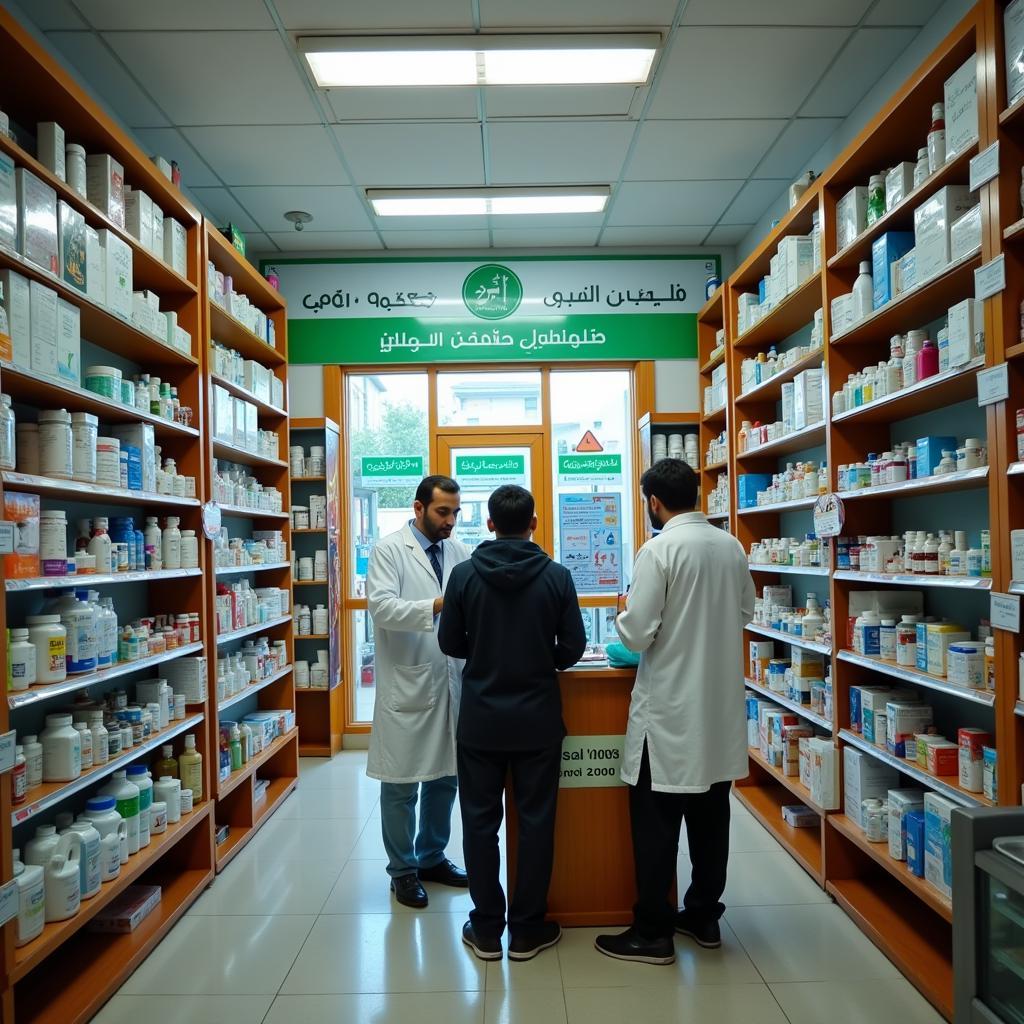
(300, 929)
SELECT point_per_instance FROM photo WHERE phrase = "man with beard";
(412, 746)
(686, 741)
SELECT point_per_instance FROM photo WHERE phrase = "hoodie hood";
(508, 564)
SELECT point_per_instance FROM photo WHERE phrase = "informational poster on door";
(597, 470)
(488, 472)
(590, 534)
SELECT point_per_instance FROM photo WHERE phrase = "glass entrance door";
(483, 462)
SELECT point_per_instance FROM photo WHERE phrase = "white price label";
(990, 279)
(591, 762)
(8, 901)
(1005, 612)
(829, 515)
(994, 385)
(6, 537)
(985, 166)
(7, 743)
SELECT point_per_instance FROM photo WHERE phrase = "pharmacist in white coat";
(412, 746)
(686, 741)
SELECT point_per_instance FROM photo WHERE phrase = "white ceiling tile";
(212, 78)
(542, 237)
(325, 241)
(50, 15)
(754, 198)
(671, 202)
(728, 234)
(654, 235)
(383, 155)
(527, 14)
(574, 152)
(903, 12)
(325, 16)
(403, 104)
(798, 143)
(523, 221)
(742, 72)
(775, 12)
(220, 206)
(197, 15)
(558, 101)
(106, 76)
(430, 223)
(258, 243)
(333, 208)
(171, 145)
(674, 150)
(436, 239)
(256, 155)
(869, 54)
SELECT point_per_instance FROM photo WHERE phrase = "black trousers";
(655, 819)
(535, 775)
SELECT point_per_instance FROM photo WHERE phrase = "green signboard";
(486, 472)
(376, 471)
(598, 469)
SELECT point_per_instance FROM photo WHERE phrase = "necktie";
(434, 551)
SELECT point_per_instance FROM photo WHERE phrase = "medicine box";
(886, 250)
(223, 422)
(924, 741)
(965, 234)
(791, 736)
(905, 273)
(8, 204)
(126, 912)
(824, 773)
(841, 310)
(903, 721)
(799, 816)
(74, 265)
(929, 452)
(95, 267)
(899, 183)
(940, 636)
(251, 427)
(187, 676)
(913, 828)
(805, 761)
(16, 302)
(238, 422)
(50, 147)
(938, 843)
(175, 245)
(43, 325)
(140, 436)
(138, 216)
(873, 701)
(37, 221)
(990, 778)
(23, 511)
(118, 256)
(787, 407)
(808, 399)
(932, 222)
(797, 253)
(69, 342)
(1016, 552)
(157, 215)
(943, 759)
(961, 333)
(104, 184)
(807, 664)
(747, 486)
(960, 92)
(864, 777)
(851, 215)
(901, 803)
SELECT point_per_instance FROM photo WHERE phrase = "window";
(505, 398)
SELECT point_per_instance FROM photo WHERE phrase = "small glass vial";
(875, 815)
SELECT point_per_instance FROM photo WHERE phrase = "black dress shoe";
(409, 892)
(526, 947)
(445, 873)
(486, 947)
(631, 945)
(705, 933)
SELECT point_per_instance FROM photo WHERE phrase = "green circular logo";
(492, 292)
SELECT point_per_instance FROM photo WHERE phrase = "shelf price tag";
(994, 385)
(8, 901)
(990, 279)
(1005, 612)
(6, 537)
(211, 520)
(7, 742)
(985, 166)
(829, 515)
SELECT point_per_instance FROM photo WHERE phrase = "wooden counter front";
(593, 880)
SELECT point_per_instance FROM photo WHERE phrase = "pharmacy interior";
(199, 449)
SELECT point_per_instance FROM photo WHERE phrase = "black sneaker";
(484, 947)
(526, 947)
(631, 945)
(409, 892)
(705, 933)
(445, 873)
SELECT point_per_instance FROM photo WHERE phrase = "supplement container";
(965, 664)
(19, 782)
(186, 801)
(22, 654)
(8, 442)
(103, 380)
(27, 447)
(91, 872)
(31, 900)
(49, 638)
(139, 775)
(168, 791)
(74, 168)
(189, 550)
(33, 761)
(39, 849)
(53, 539)
(85, 743)
(158, 817)
(84, 431)
(55, 443)
(875, 815)
(126, 796)
(108, 462)
(62, 750)
(63, 879)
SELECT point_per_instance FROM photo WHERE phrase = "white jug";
(63, 879)
(110, 852)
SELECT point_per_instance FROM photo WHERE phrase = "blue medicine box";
(856, 714)
(885, 251)
(762, 290)
(747, 486)
(913, 821)
(929, 452)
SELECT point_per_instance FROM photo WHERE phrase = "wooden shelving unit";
(321, 716)
(67, 973)
(711, 320)
(234, 801)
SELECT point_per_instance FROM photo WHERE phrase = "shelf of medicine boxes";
(253, 687)
(789, 638)
(796, 441)
(790, 705)
(964, 480)
(770, 390)
(790, 570)
(917, 678)
(712, 318)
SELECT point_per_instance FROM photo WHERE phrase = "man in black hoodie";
(513, 614)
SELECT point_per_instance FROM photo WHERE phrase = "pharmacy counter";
(593, 882)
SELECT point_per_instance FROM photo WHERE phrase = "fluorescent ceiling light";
(483, 201)
(473, 60)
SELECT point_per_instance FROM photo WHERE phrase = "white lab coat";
(691, 596)
(418, 688)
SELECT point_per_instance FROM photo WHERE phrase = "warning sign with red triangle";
(589, 443)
